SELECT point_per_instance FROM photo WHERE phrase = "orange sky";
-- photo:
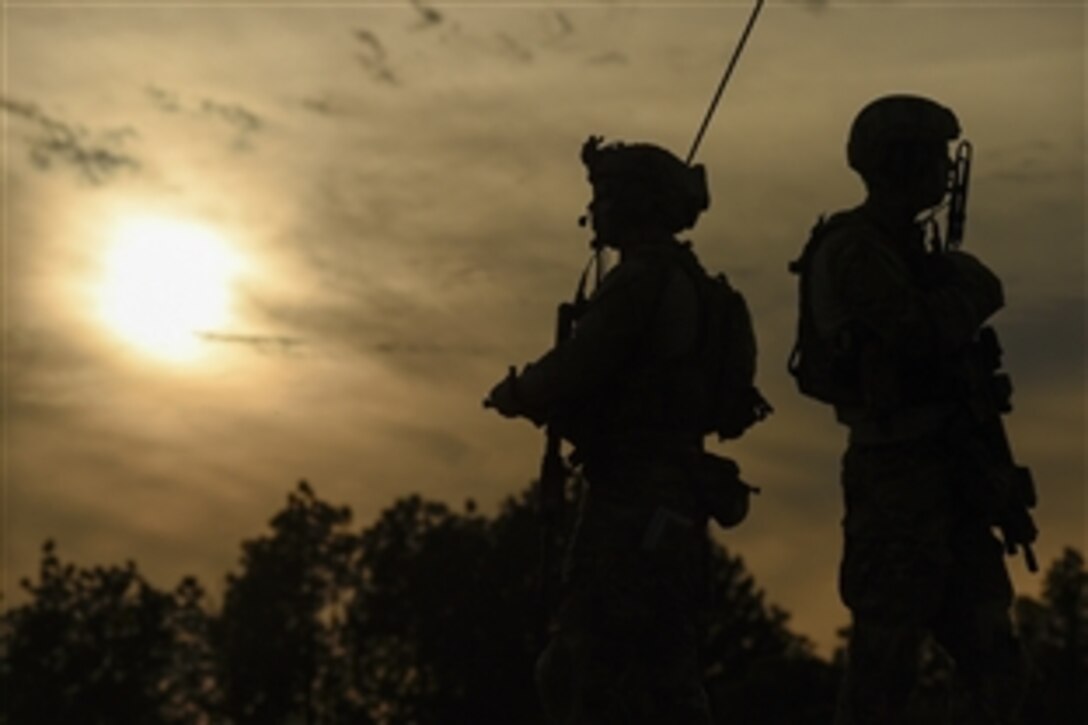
(398, 187)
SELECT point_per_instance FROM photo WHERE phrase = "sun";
(164, 281)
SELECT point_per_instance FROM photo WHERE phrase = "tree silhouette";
(444, 624)
(751, 658)
(193, 694)
(1055, 634)
(427, 615)
(439, 629)
(276, 635)
(101, 645)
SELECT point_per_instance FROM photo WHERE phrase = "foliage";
(276, 636)
(101, 645)
(1054, 632)
(440, 625)
(752, 658)
(427, 615)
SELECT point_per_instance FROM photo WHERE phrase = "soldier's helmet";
(644, 181)
(891, 127)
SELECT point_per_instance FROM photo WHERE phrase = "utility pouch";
(723, 495)
(663, 522)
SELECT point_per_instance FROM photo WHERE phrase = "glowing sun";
(164, 281)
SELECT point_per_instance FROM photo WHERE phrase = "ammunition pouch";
(825, 372)
(721, 493)
(1013, 495)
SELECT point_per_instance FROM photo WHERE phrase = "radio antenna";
(725, 79)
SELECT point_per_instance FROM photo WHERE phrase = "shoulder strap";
(800, 267)
(695, 272)
(824, 225)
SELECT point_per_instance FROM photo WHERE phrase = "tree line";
(427, 615)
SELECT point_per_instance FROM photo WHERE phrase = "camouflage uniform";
(624, 644)
(625, 389)
(920, 558)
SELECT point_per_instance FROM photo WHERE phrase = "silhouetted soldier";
(884, 328)
(635, 389)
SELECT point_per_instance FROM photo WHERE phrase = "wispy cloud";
(513, 48)
(243, 121)
(410, 245)
(428, 15)
(261, 343)
(55, 142)
(234, 114)
(373, 56)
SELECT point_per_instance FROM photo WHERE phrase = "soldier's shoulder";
(649, 262)
(845, 226)
(844, 236)
(636, 275)
(635, 267)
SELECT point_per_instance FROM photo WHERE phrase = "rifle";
(957, 197)
(989, 397)
(554, 471)
(551, 485)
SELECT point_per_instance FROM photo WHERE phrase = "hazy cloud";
(235, 115)
(53, 141)
(514, 49)
(373, 56)
(451, 448)
(612, 57)
(406, 247)
(163, 99)
(562, 23)
(261, 343)
(323, 106)
(1038, 342)
(428, 16)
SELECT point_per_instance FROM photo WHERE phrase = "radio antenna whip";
(725, 79)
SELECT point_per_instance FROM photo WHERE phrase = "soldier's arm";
(605, 337)
(879, 292)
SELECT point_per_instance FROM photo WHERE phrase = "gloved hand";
(503, 397)
(725, 497)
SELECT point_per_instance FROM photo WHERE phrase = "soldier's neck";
(891, 211)
(638, 242)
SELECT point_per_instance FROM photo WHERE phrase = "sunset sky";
(362, 213)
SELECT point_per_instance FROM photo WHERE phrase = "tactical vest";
(709, 388)
(832, 370)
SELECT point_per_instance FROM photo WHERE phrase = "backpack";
(727, 347)
(821, 368)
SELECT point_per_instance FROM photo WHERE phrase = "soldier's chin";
(936, 193)
(602, 239)
(925, 203)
